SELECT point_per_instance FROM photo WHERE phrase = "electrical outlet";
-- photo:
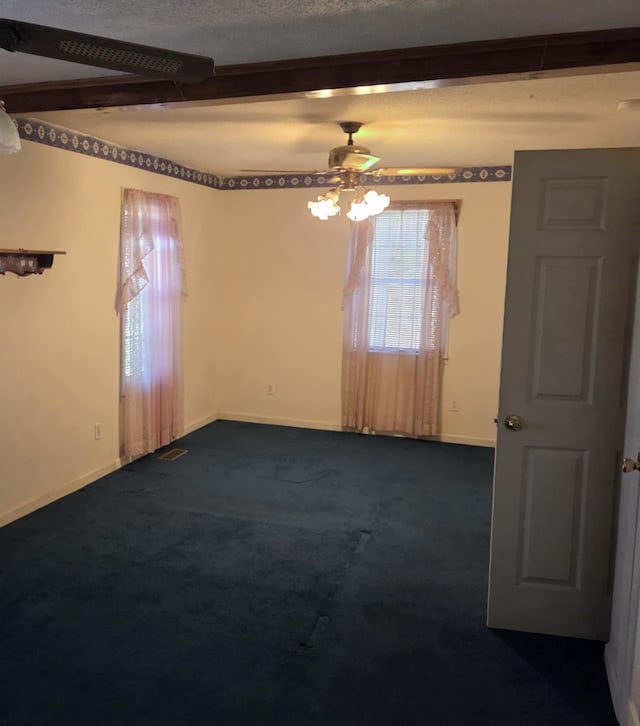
(454, 407)
(270, 391)
(97, 431)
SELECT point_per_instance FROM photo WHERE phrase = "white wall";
(263, 309)
(283, 287)
(60, 334)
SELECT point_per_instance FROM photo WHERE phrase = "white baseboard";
(625, 709)
(199, 423)
(467, 440)
(82, 481)
(332, 426)
(58, 493)
(281, 421)
(614, 685)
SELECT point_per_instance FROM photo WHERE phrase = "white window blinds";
(398, 279)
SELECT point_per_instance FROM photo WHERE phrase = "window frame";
(412, 343)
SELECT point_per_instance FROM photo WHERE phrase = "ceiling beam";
(481, 61)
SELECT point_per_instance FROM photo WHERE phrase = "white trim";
(199, 423)
(614, 683)
(52, 496)
(331, 426)
(467, 440)
(625, 709)
(281, 421)
(80, 482)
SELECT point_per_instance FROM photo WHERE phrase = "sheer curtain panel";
(149, 301)
(399, 294)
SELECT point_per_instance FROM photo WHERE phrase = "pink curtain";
(149, 301)
(398, 391)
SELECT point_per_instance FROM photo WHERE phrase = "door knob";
(513, 422)
(629, 465)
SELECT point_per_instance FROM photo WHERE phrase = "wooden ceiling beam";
(481, 61)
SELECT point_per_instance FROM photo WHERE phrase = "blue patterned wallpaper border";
(60, 137)
(294, 181)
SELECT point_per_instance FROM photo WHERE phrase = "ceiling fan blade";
(414, 171)
(285, 171)
(95, 50)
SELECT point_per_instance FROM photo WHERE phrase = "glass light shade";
(9, 138)
(359, 211)
(326, 206)
(376, 202)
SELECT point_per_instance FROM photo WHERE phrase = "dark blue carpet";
(276, 576)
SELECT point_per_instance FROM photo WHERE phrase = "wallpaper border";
(59, 137)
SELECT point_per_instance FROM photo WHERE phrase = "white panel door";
(621, 653)
(569, 302)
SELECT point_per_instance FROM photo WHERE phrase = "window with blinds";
(398, 280)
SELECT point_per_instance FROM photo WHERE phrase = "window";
(398, 280)
(400, 291)
(163, 285)
(150, 304)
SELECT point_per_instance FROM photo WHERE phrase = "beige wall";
(283, 288)
(263, 309)
(60, 334)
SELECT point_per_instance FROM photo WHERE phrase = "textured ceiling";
(465, 125)
(243, 31)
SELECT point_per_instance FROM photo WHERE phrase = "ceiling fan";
(349, 162)
(95, 50)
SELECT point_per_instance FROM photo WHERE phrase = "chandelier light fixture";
(365, 203)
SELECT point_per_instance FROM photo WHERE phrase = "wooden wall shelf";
(27, 262)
